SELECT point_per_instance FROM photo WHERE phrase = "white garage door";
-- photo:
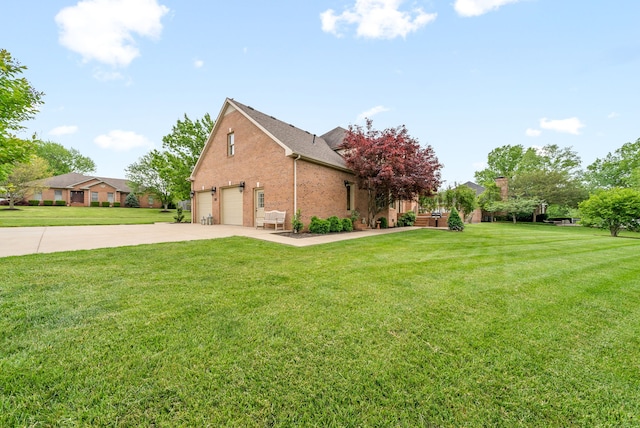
(232, 206)
(204, 205)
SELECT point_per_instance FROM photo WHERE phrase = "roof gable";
(295, 141)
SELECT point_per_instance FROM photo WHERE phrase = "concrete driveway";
(18, 241)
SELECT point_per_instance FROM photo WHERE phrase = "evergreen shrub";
(455, 222)
(335, 224)
(319, 225)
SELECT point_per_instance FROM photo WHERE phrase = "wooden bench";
(275, 218)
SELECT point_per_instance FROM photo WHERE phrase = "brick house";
(253, 162)
(80, 190)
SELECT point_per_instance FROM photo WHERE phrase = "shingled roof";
(295, 140)
(73, 179)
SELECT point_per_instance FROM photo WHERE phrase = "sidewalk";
(18, 241)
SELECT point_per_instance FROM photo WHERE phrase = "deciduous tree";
(145, 177)
(181, 150)
(390, 165)
(612, 209)
(62, 160)
(23, 178)
(617, 169)
(19, 102)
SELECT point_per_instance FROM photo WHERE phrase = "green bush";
(355, 217)
(384, 223)
(34, 202)
(95, 203)
(335, 224)
(319, 225)
(179, 217)
(455, 222)
(296, 222)
(347, 225)
(106, 204)
(116, 204)
(61, 203)
(132, 201)
(407, 219)
(47, 203)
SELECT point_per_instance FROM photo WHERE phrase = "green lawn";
(82, 216)
(500, 325)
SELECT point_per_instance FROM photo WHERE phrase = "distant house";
(253, 162)
(476, 215)
(80, 190)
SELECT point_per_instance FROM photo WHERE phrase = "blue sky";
(465, 76)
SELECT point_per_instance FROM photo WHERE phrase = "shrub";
(179, 217)
(455, 222)
(47, 203)
(355, 217)
(106, 204)
(407, 219)
(95, 203)
(384, 223)
(318, 225)
(61, 203)
(296, 222)
(347, 225)
(132, 201)
(34, 203)
(116, 204)
(335, 224)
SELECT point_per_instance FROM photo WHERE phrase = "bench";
(274, 217)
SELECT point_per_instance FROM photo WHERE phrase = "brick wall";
(261, 163)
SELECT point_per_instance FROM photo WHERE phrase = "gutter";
(295, 184)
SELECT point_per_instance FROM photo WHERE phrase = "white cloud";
(479, 7)
(371, 112)
(64, 130)
(612, 115)
(103, 30)
(377, 19)
(198, 63)
(533, 132)
(106, 76)
(122, 141)
(569, 126)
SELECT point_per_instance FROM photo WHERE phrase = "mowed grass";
(82, 216)
(500, 325)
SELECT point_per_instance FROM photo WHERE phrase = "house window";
(110, 197)
(37, 196)
(231, 145)
(94, 196)
(260, 199)
(349, 205)
(57, 195)
(150, 199)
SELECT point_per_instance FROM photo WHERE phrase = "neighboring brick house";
(476, 215)
(253, 162)
(80, 190)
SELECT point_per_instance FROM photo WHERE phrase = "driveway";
(18, 241)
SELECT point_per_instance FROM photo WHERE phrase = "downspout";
(295, 184)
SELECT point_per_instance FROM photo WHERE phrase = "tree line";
(23, 161)
(606, 194)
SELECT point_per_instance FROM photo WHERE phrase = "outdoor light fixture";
(241, 186)
(213, 190)
(192, 194)
(346, 183)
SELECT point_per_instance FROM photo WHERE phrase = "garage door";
(232, 206)
(204, 205)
